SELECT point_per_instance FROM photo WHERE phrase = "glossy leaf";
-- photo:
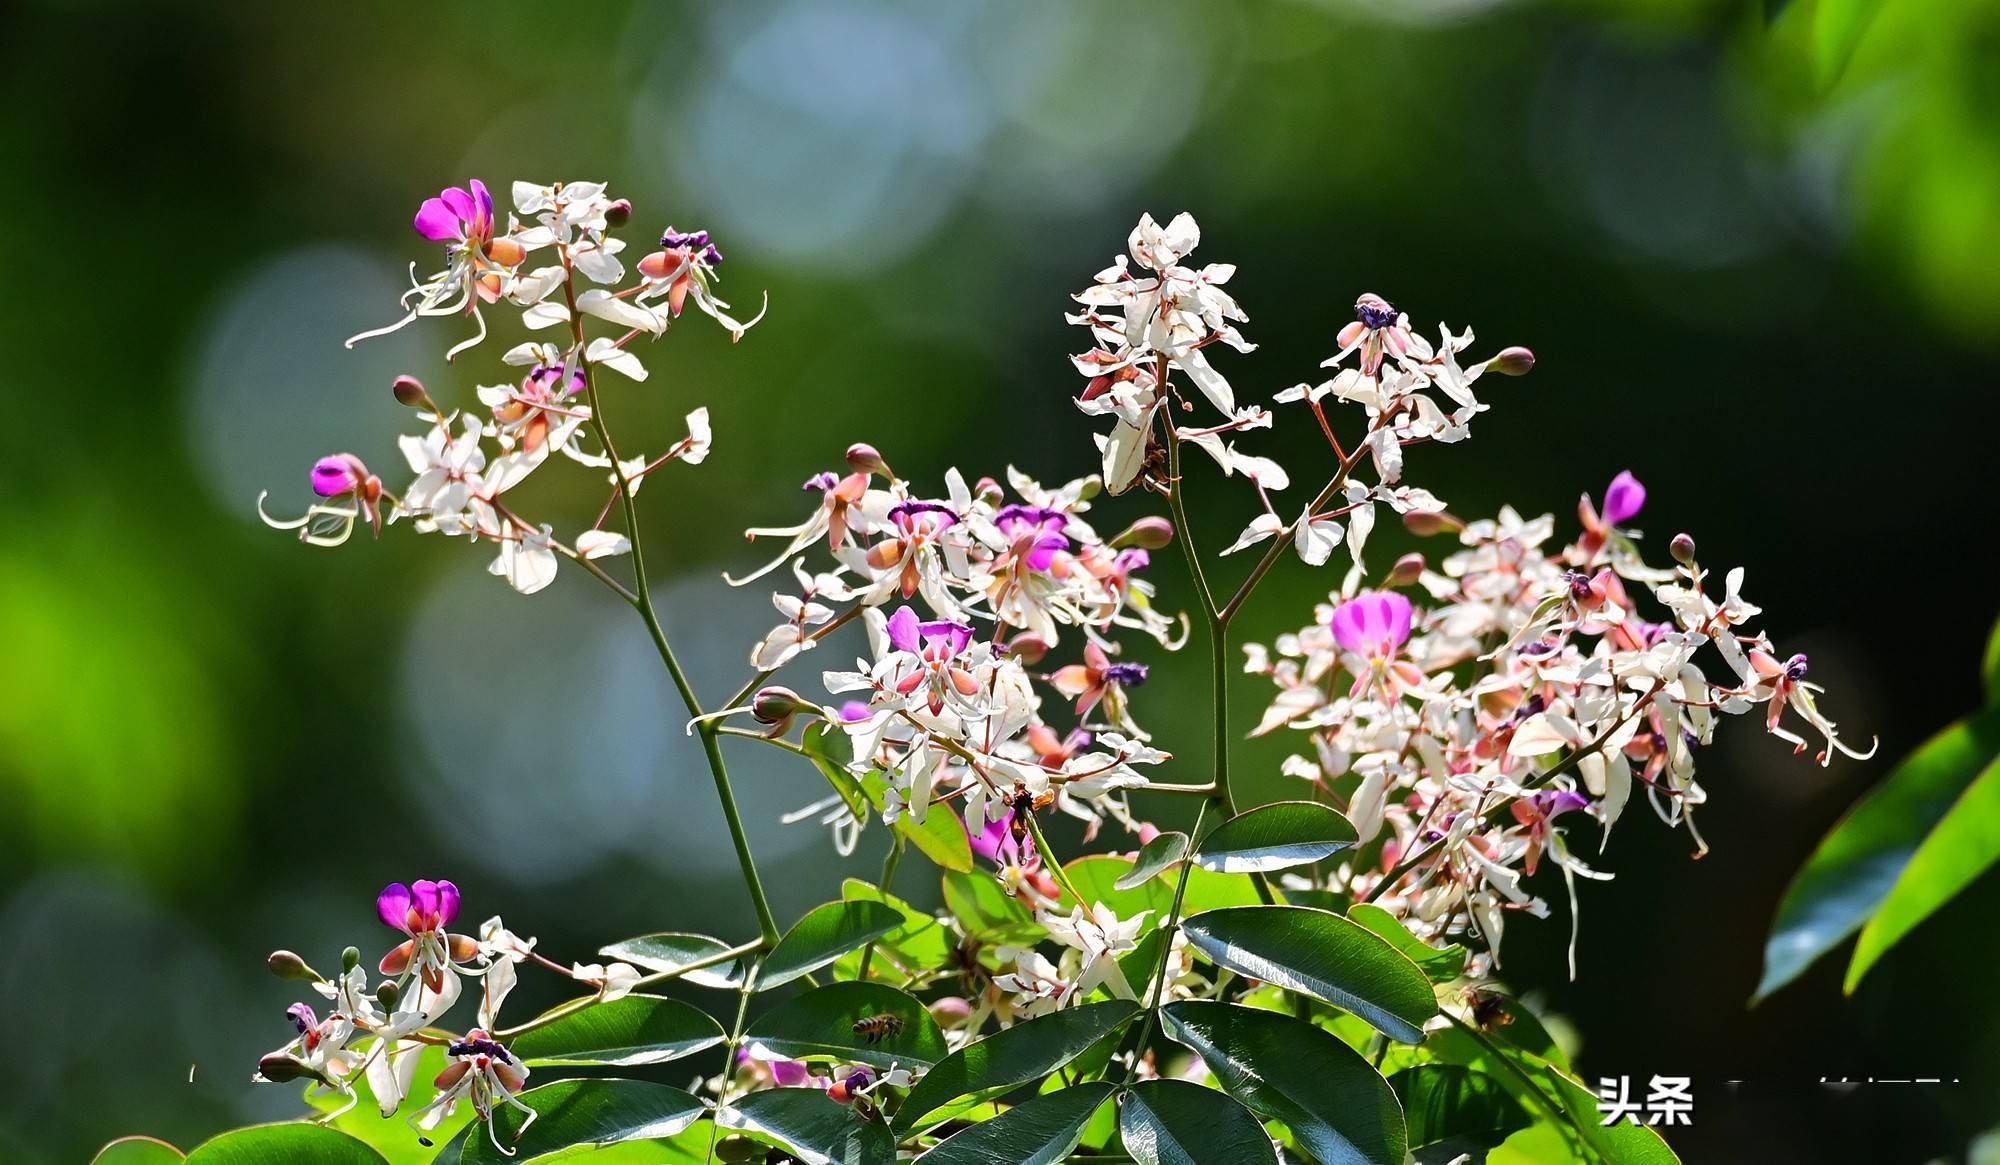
(817, 1129)
(1965, 844)
(1851, 871)
(1174, 1122)
(1162, 853)
(820, 1024)
(1041, 1131)
(823, 935)
(1989, 668)
(988, 913)
(1439, 964)
(1274, 837)
(1339, 1108)
(1012, 1056)
(569, 1113)
(1322, 955)
(1450, 1105)
(638, 1029)
(1623, 1143)
(294, 1143)
(1096, 878)
(920, 944)
(670, 951)
(138, 1151)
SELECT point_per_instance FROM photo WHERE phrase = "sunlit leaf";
(294, 1143)
(569, 1113)
(138, 1151)
(1837, 29)
(1174, 1122)
(1029, 1050)
(1851, 871)
(1161, 853)
(1451, 1106)
(820, 1025)
(638, 1029)
(987, 912)
(824, 935)
(1323, 955)
(1339, 1108)
(1274, 837)
(1965, 844)
(670, 951)
(1990, 668)
(1439, 964)
(817, 1129)
(919, 944)
(1041, 1131)
(1096, 878)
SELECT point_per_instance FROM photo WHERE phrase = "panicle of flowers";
(465, 464)
(1526, 687)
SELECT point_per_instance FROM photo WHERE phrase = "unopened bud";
(1028, 647)
(987, 490)
(1150, 533)
(618, 213)
(350, 958)
(410, 391)
(776, 705)
(386, 994)
(864, 459)
(1407, 570)
(286, 965)
(1512, 362)
(1424, 523)
(951, 1011)
(279, 1068)
(1682, 548)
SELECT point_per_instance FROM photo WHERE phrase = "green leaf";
(138, 1151)
(1012, 1056)
(364, 1121)
(824, 935)
(293, 1143)
(1340, 1109)
(569, 1113)
(919, 945)
(1041, 1131)
(816, 1128)
(669, 951)
(1096, 878)
(638, 1029)
(1272, 837)
(1621, 1144)
(1445, 1104)
(987, 912)
(1322, 955)
(1990, 669)
(1837, 29)
(1851, 871)
(820, 1025)
(1965, 844)
(1174, 1122)
(1439, 964)
(1161, 853)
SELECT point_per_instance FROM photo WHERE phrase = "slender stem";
(1218, 625)
(1157, 993)
(1049, 860)
(1284, 538)
(642, 601)
(889, 865)
(749, 987)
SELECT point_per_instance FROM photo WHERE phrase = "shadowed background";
(1753, 257)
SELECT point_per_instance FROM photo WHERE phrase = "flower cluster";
(465, 464)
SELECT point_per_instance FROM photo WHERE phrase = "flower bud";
(951, 1011)
(280, 1068)
(1407, 570)
(410, 392)
(1424, 523)
(1149, 533)
(286, 965)
(350, 958)
(989, 491)
(506, 252)
(776, 705)
(618, 213)
(1682, 548)
(1514, 361)
(386, 994)
(864, 459)
(1028, 648)
(337, 474)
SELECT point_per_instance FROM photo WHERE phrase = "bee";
(876, 1028)
(1489, 1009)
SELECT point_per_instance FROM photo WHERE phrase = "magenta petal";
(987, 842)
(1624, 499)
(436, 222)
(788, 1073)
(393, 906)
(447, 903)
(482, 201)
(460, 202)
(331, 477)
(424, 900)
(903, 629)
(1373, 624)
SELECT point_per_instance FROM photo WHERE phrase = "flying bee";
(1489, 1009)
(876, 1028)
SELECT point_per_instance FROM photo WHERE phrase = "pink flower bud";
(618, 213)
(1424, 523)
(1149, 533)
(287, 965)
(864, 459)
(1682, 548)
(776, 705)
(337, 474)
(1028, 648)
(410, 391)
(951, 1011)
(1516, 361)
(1407, 570)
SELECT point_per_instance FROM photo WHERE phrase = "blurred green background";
(1753, 246)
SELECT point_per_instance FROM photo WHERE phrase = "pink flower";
(422, 910)
(1372, 629)
(457, 216)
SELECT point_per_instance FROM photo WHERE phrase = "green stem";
(1157, 992)
(642, 601)
(889, 865)
(1218, 625)
(749, 988)
(1049, 860)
